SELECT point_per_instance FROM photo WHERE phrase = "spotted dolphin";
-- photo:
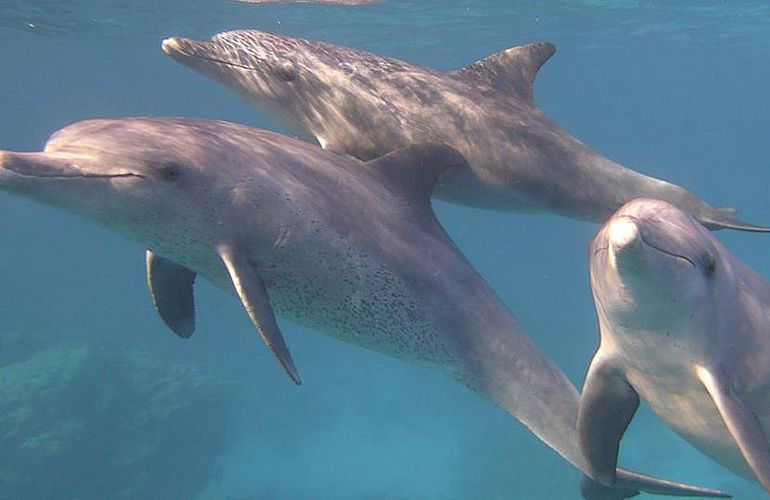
(350, 248)
(365, 105)
(685, 326)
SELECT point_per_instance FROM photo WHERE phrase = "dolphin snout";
(22, 163)
(37, 165)
(57, 166)
(623, 233)
(629, 238)
(175, 46)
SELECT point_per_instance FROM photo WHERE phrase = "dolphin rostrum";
(350, 248)
(684, 325)
(365, 105)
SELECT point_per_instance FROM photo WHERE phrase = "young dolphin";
(685, 326)
(350, 248)
(365, 105)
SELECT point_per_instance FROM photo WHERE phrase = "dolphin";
(684, 325)
(352, 249)
(365, 105)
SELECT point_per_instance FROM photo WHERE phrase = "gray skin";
(365, 105)
(350, 248)
(684, 325)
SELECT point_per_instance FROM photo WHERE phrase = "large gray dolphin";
(684, 325)
(350, 248)
(365, 105)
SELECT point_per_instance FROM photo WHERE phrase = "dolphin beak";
(35, 165)
(183, 49)
(623, 234)
(173, 46)
(51, 166)
(625, 239)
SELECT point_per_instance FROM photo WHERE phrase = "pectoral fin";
(171, 287)
(741, 422)
(253, 295)
(607, 405)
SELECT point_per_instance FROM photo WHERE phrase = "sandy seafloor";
(676, 90)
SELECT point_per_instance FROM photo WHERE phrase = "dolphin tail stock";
(727, 218)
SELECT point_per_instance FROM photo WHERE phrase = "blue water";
(676, 90)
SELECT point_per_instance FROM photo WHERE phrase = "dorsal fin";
(412, 171)
(510, 70)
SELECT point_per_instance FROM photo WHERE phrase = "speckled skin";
(365, 105)
(672, 301)
(349, 248)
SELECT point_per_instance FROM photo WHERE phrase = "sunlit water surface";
(677, 90)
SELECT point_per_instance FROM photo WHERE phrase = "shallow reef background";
(91, 379)
(102, 424)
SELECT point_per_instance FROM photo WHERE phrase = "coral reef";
(83, 422)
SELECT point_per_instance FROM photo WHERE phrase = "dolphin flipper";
(606, 407)
(171, 287)
(253, 294)
(742, 424)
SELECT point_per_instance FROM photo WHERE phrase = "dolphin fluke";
(629, 480)
(727, 218)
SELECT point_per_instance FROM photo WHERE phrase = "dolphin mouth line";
(661, 250)
(76, 176)
(212, 59)
(664, 251)
(225, 63)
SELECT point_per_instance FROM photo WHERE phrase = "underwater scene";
(423, 393)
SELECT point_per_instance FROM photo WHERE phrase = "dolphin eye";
(169, 172)
(711, 265)
(286, 72)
